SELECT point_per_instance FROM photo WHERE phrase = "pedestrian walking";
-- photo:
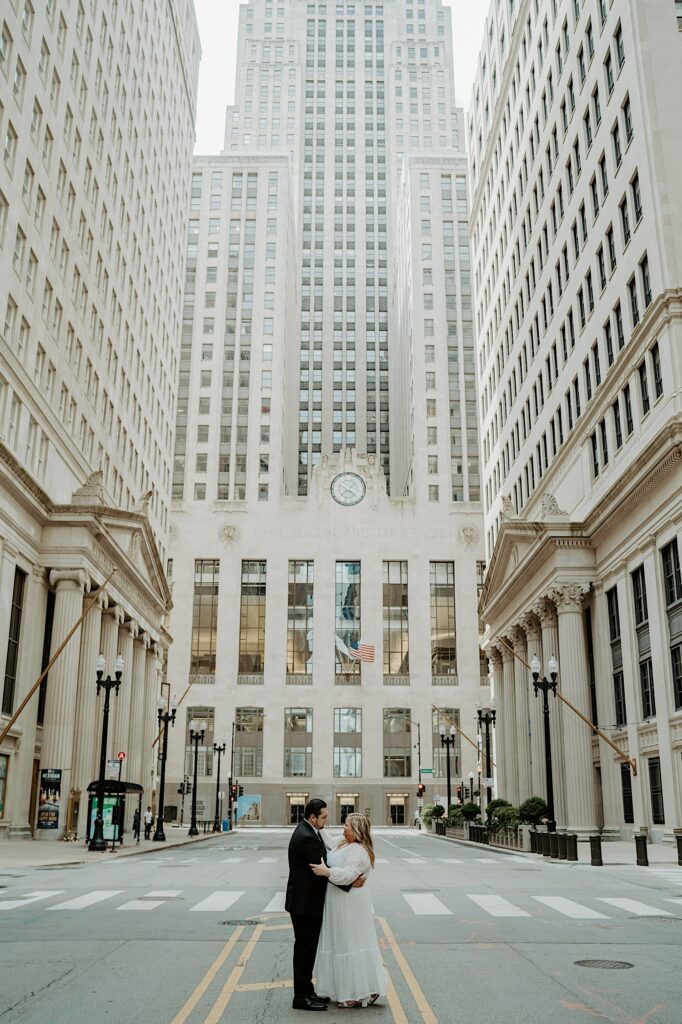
(148, 822)
(136, 825)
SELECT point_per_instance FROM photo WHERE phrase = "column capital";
(530, 624)
(493, 654)
(115, 611)
(568, 597)
(517, 636)
(133, 626)
(145, 640)
(545, 612)
(77, 576)
(505, 640)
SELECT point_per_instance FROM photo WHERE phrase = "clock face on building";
(348, 489)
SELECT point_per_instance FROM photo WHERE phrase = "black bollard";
(545, 844)
(642, 856)
(678, 840)
(538, 844)
(571, 846)
(554, 845)
(534, 842)
(595, 852)
(562, 845)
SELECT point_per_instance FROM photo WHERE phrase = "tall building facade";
(326, 481)
(97, 105)
(575, 224)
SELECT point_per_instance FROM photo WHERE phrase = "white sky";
(218, 22)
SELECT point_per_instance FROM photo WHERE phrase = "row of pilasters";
(72, 725)
(554, 626)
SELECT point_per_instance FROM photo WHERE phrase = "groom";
(305, 901)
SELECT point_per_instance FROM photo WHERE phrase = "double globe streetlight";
(219, 750)
(97, 841)
(447, 740)
(166, 718)
(197, 731)
(487, 718)
(546, 685)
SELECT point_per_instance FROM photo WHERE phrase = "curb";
(480, 846)
(134, 852)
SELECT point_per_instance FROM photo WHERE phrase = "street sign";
(427, 771)
(488, 782)
(121, 755)
(113, 768)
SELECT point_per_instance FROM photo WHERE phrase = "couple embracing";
(331, 911)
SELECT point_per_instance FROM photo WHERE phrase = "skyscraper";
(326, 479)
(576, 250)
(97, 104)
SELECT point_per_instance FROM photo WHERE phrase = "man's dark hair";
(313, 808)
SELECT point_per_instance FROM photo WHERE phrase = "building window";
(676, 661)
(671, 573)
(646, 682)
(347, 762)
(298, 720)
(199, 716)
(619, 699)
(348, 720)
(614, 614)
(639, 596)
(13, 638)
(626, 788)
(656, 791)
(248, 761)
(396, 634)
(347, 615)
(204, 616)
(252, 618)
(298, 761)
(443, 640)
(644, 387)
(658, 375)
(4, 766)
(300, 618)
(442, 720)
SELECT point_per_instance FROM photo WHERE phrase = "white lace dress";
(349, 963)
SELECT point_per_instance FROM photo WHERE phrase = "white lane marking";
(497, 906)
(221, 899)
(31, 897)
(425, 903)
(232, 860)
(486, 860)
(448, 860)
(149, 902)
(276, 904)
(677, 900)
(634, 906)
(568, 907)
(381, 860)
(268, 860)
(87, 900)
(414, 860)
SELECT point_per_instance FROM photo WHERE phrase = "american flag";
(361, 652)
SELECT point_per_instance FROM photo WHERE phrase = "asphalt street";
(199, 936)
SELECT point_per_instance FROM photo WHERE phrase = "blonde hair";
(361, 829)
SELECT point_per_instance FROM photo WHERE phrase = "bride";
(349, 967)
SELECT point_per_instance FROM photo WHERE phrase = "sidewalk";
(617, 853)
(27, 853)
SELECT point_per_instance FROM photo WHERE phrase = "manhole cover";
(234, 923)
(605, 965)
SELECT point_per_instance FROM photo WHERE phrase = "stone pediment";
(514, 543)
(129, 537)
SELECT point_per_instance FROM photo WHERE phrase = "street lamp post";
(471, 788)
(219, 750)
(546, 685)
(196, 736)
(165, 718)
(487, 718)
(448, 741)
(97, 840)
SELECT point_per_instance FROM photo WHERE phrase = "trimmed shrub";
(533, 811)
(470, 811)
(438, 811)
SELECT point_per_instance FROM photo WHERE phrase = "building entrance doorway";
(296, 808)
(396, 808)
(346, 806)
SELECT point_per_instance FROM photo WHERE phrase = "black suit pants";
(306, 938)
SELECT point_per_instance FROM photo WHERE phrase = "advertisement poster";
(108, 815)
(248, 808)
(50, 796)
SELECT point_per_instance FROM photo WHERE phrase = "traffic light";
(459, 794)
(233, 792)
(241, 791)
(421, 789)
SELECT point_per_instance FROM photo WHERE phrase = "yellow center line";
(394, 1004)
(259, 986)
(229, 987)
(420, 999)
(184, 1013)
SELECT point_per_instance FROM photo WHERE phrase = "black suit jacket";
(306, 891)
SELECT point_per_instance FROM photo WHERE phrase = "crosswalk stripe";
(497, 906)
(31, 897)
(414, 860)
(486, 860)
(449, 860)
(634, 906)
(568, 907)
(381, 860)
(425, 903)
(221, 899)
(232, 860)
(276, 904)
(87, 900)
(268, 860)
(148, 902)
(677, 900)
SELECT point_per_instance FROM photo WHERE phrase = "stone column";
(126, 638)
(509, 737)
(29, 668)
(498, 695)
(574, 675)
(545, 611)
(531, 625)
(59, 723)
(603, 673)
(136, 733)
(111, 621)
(521, 684)
(88, 727)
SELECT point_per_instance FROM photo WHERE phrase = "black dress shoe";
(307, 1003)
(320, 999)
